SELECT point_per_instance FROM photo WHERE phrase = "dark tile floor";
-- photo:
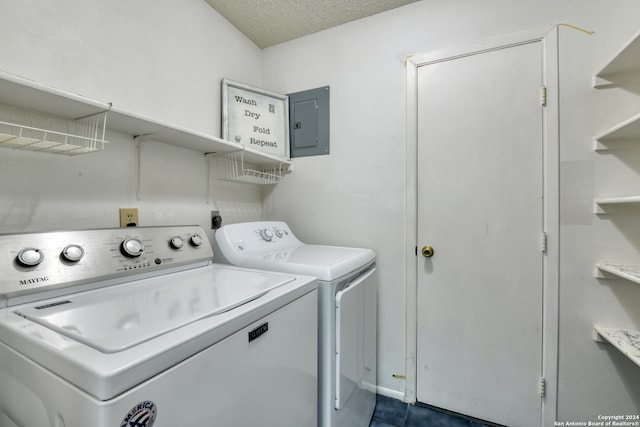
(394, 413)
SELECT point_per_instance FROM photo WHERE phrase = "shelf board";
(625, 200)
(30, 95)
(625, 341)
(624, 63)
(147, 129)
(622, 271)
(626, 130)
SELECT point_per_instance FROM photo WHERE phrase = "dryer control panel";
(272, 234)
(239, 240)
(45, 262)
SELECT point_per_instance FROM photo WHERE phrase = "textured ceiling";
(269, 22)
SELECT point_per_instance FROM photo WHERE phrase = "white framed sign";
(255, 118)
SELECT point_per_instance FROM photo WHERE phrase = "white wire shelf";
(624, 340)
(34, 131)
(237, 170)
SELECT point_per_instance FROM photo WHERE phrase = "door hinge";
(543, 96)
(543, 386)
(543, 242)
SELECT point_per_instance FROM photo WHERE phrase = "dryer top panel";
(272, 246)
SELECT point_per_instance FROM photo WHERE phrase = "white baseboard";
(394, 394)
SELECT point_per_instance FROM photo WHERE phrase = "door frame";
(551, 192)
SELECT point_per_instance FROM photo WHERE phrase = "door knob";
(427, 251)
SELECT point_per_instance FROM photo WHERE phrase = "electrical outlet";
(128, 217)
(216, 220)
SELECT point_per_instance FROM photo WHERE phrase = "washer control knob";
(72, 253)
(132, 247)
(266, 235)
(30, 257)
(279, 233)
(196, 240)
(176, 242)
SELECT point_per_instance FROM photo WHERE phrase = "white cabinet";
(623, 69)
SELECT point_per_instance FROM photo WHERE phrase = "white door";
(480, 189)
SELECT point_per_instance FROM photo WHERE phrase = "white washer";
(137, 328)
(347, 298)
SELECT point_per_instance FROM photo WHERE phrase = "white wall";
(356, 195)
(160, 59)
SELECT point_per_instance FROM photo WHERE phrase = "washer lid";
(327, 263)
(116, 319)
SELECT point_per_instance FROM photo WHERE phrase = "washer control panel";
(37, 262)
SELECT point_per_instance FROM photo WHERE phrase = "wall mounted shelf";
(621, 271)
(624, 63)
(622, 70)
(626, 130)
(30, 95)
(147, 129)
(599, 204)
(625, 341)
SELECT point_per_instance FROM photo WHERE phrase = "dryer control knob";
(266, 235)
(132, 247)
(176, 242)
(72, 253)
(196, 240)
(30, 257)
(279, 233)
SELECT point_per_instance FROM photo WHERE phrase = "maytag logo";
(34, 281)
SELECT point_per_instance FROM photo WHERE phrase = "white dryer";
(347, 298)
(137, 327)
